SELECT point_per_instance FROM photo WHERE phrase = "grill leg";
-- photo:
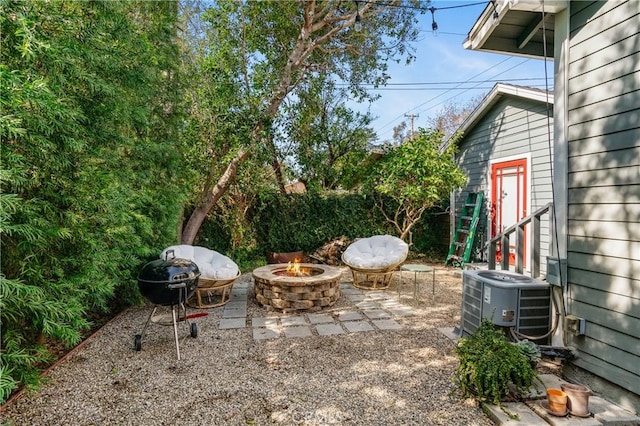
(146, 324)
(175, 330)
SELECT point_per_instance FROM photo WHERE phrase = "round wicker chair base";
(211, 293)
(371, 280)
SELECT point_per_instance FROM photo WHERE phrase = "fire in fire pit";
(297, 287)
(295, 270)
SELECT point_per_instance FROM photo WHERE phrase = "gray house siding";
(510, 127)
(603, 237)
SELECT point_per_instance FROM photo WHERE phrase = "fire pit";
(297, 287)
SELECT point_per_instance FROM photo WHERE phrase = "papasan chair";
(373, 260)
(217, 274)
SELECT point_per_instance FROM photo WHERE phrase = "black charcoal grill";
(169, 282)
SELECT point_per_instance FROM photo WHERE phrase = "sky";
(445, 72)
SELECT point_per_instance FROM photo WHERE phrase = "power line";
(433, 89)
(435, 83)
(442, 94)
(379, 3)
(500, 73)
(467, 88)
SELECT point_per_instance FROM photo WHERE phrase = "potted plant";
(489, 363)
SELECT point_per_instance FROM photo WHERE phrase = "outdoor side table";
(418, 269)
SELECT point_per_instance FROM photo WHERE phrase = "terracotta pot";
(577, 398)
(278, 257)
(557, 401)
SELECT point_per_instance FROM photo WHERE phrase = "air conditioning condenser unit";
(508, 300)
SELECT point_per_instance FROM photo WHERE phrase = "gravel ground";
(225, 377)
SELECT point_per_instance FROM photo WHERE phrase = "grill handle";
(178, 285)
(166, 254)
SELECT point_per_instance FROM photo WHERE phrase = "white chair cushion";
(376, 252)
(210, 263)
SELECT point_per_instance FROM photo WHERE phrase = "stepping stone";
(377, 295)
(367, 305)
(289, 321)
(525, 415)
(390, 303)
(265, 333)
(329, 329)
(355, 298)
(236, 304)
(386, 324)
(349, 316)
(350, 291)
(357, 326)
(402, 311)
(608, 413)
(319, 318)
(235, 313)
(264, 322)
(297, 331)
(377, 314)
(227, 323)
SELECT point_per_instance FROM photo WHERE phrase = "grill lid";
(169, 270)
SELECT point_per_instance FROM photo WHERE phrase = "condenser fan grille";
(501, 276)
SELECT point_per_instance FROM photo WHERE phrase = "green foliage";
(248, 59)
(328, 140)
(530, 350)
(315, 217)
(489, 363)
(304, 222)
(91, 171)
(417, 176)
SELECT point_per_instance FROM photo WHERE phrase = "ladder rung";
(460, 251)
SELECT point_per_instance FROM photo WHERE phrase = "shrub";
(292, 222)
(489, 363)
(306, 221)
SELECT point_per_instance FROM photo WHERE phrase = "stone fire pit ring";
(285, 293)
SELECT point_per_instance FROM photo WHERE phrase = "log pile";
(331, 252)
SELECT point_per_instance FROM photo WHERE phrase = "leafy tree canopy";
(327, 140)
(418, 175)
(257, 54)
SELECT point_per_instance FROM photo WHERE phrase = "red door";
(508, 200)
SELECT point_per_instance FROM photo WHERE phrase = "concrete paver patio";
(372, 310)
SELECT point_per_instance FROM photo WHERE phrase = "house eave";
(499, 91)
(519, 28)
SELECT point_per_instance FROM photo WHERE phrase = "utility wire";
(434, 83)
(433, 89)
(379, 3)
(476, 87)
(393, 121)
(461, 88)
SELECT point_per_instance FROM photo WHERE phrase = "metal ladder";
(462, 244)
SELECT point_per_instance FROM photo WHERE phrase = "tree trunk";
(278, 173)
(209, 200)
(296, 62)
